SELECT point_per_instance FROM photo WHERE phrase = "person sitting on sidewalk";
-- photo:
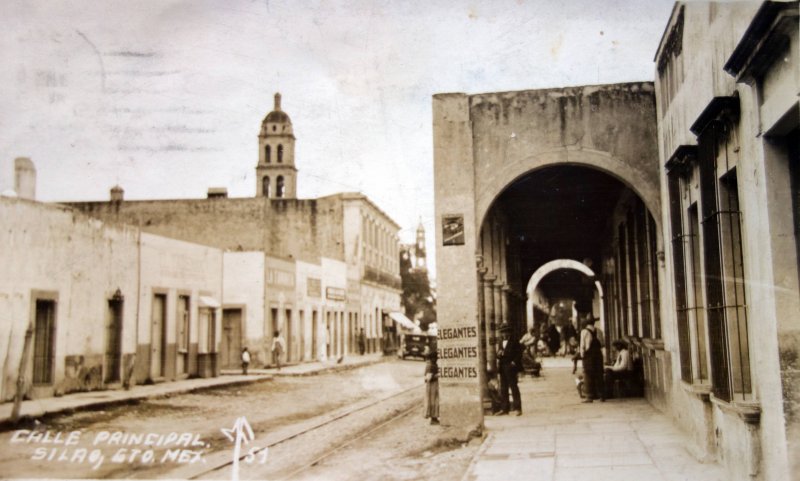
(528, 342)
(622, 368)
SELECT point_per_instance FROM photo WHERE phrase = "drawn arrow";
(241, 431)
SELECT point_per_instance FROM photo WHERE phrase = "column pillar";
(482, 375)
(499, 314)
(491, 326)
(499, 303)
(505, 301)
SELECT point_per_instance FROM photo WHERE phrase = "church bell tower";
(276, 174)
(419, 249)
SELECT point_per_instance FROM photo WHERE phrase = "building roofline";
(758, 36)
(563, 88)
(667, 29)
(360, 196)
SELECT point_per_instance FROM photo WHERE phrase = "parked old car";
(413, 345)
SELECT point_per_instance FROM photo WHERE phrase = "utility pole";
(23, 365)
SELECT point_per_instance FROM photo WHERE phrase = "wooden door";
(158, 337)
(231, 345)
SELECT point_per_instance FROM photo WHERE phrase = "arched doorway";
(577, 234)
(563, 279)
(530, 177)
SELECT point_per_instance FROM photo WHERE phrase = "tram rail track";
(220, 460)
(339, 447)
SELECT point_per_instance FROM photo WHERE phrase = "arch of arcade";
(529, 177)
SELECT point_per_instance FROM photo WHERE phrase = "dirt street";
(407, 448)
(155, 438)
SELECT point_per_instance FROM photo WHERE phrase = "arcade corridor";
(566, 234)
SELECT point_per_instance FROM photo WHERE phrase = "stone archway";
(645, 186)
(487, 145)
(560, 264)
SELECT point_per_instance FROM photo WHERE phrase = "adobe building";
(669, 210)
(101, 306)
(346, 228)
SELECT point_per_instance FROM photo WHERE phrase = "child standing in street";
(245, 360)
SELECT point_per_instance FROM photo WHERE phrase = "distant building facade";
(344, 245)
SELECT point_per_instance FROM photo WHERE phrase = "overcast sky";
(166, 98)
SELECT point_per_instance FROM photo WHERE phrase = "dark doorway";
(231, 345)
(158, 333)
(44, 342)
(114, 339)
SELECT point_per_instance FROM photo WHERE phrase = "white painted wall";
(243, 286)
(82, 263)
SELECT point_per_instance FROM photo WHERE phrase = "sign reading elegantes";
(457, 348)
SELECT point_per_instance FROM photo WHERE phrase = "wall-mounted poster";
(453, 230)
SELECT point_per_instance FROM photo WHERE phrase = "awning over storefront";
(206, 301)
(401, 319)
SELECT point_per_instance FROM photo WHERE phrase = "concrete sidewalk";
(101, 399)
(559, 438)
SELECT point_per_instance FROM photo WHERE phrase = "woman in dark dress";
(431, 385)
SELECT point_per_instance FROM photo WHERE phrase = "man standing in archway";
(509, 356)
(592, 354)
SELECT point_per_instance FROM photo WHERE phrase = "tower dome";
(276, 122)
(276, 174)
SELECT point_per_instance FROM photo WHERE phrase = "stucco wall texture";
(302, 229)
(54, 253)
(515, 132)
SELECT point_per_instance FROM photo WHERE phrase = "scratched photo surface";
(173, 104)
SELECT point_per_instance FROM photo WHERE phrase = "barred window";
(697, 313)
(724, 273)
(679, 277)
(688, 275)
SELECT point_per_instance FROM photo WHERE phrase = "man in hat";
(509, 356)
(591, 349)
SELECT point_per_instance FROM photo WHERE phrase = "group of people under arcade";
(597, 381)
(551, 340)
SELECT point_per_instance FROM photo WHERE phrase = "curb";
(96, 405)
(326, 369)
(7, 425)
(487, 440)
